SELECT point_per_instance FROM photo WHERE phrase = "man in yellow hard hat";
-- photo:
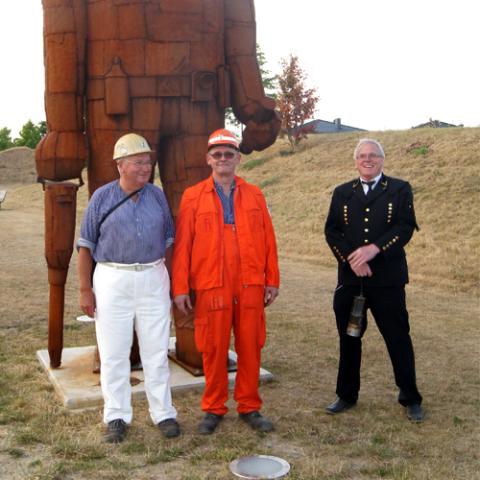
(128, 231)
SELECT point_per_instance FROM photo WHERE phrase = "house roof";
(324, 126)
(436, 124)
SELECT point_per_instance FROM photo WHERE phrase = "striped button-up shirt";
(136, 232)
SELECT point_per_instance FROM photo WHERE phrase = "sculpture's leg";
(135, 360)
(186, 352)
(55, 324)
(183, 163)
(60, 209)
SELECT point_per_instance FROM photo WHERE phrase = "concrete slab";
(79, 388)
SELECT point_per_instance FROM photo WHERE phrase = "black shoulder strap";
(123, 200)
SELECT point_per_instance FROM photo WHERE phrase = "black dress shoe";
(209, 423)
(339, 406)
(257, 421)
(116, 431)
(415, 413)
(169, 428)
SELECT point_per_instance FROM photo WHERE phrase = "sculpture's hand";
(260, 135)
(61, 155)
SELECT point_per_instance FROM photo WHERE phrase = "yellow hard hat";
(130, 144)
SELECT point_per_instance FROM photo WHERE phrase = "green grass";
(251, 164)
(269, 182)
(421, 150)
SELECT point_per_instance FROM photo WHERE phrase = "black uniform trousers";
(388, 307)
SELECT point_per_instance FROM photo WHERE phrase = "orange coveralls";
(228, 266)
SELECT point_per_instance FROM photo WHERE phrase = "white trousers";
(126, 299)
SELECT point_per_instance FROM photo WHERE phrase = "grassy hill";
(40, 439)
(442, 165)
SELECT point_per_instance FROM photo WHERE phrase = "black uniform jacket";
(386, 218)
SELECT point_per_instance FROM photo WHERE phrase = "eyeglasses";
(228, 155)
(369, 156)
(140, 163)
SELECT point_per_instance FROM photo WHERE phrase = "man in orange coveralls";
(225, 250)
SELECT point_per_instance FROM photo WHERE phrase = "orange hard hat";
(223, 137)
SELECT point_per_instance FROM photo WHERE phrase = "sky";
(376, 64)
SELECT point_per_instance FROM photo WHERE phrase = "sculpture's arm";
(61, 154)
(249, 102)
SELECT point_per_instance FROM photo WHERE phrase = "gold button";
(365, 219)
(366, 230)
(367, 209)
(366, 240)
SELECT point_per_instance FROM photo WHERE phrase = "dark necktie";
(370, 185)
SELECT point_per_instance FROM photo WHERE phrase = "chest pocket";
(204, 223)
(255, 219)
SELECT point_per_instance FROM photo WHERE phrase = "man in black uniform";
(370, 220)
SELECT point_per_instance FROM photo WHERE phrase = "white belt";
(136, 267)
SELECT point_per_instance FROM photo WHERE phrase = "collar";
(237, 181)
(374, 180)
(219, 187)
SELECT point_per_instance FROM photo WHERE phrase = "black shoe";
(339, 406)
(415, 413)
(116, 431)
(257, 421)
(209, 423)
(169, 428)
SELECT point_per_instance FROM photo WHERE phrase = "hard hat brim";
(151, 152)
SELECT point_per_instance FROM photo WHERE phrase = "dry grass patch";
(41, 440)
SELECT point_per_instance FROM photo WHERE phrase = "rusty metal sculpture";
(166, 69)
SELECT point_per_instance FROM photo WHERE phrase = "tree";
(31, 134)
(268, 81)
(295, 102)
(5, 138)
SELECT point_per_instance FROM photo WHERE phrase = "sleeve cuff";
(85, 243)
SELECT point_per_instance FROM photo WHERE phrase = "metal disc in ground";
(259, 467)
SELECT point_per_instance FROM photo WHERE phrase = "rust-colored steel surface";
(165, 69)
